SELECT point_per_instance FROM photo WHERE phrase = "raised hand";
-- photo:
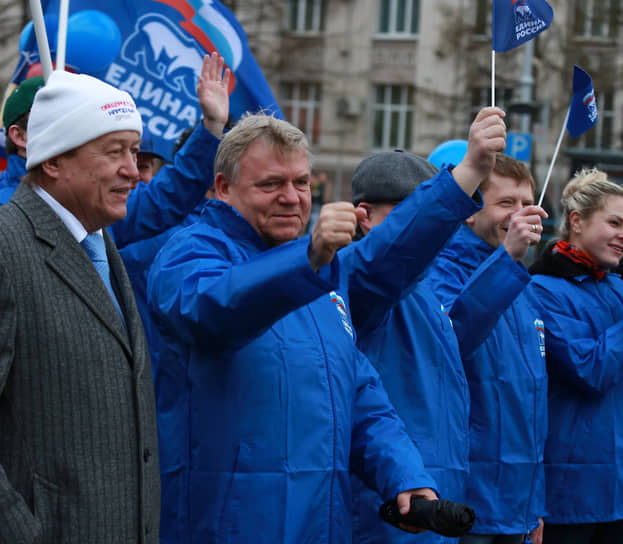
(334, 229)
(213, 93)
(524, 230)
(487, 136)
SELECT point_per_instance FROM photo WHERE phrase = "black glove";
(444, 517)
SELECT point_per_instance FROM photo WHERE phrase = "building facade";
(360, 76)
(13, 19)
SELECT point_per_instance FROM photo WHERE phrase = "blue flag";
(583, 110)
(518, 21)
(159, 59)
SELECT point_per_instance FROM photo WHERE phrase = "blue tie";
(95, 248)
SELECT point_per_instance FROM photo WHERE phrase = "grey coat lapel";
(133, 320)
(67, 258)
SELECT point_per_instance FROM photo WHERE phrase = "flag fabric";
(583, 110)
(159, 62)
(518, 21)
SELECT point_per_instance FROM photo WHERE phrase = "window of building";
(307, 15)
(392, 116)
(594, 18)
(301, 106)
(601, 136)
(399, 17)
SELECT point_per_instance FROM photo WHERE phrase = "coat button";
(146, 455)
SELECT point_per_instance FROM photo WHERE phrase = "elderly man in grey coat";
(78, 441)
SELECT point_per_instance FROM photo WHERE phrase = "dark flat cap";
(20, 100)
(389, 176)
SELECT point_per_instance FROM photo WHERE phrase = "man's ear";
(51, 167)
(470, 221)
(221, 186)
(365, 222)
(17, 135)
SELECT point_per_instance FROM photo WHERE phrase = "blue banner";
(518, 21)
(159, 58)
(583, 110)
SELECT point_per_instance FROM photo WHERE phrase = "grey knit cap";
(389, 176)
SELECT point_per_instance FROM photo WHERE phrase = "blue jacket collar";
(469, 247)
(220, 215)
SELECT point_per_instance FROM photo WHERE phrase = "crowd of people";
(178, 365)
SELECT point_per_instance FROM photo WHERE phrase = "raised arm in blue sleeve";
(476, 299)
(384, 266)
(172, 193)
(486, 295)
(206, 292)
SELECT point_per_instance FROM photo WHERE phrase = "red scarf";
(579, 257)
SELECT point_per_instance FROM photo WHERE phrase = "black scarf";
(563, 260)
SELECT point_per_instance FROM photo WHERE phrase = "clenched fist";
(334, 229)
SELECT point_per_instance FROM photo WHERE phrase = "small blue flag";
(583, 110)
(518, 21)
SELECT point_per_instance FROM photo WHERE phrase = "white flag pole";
(42, 38)
(493, 77)
(551, 166)
(61, 45)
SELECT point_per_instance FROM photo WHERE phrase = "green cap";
(20, 100)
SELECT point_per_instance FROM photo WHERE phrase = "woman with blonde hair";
(582, 308)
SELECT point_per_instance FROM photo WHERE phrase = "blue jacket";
(10, 178)
(265, 404)
(584, 341)
(195, 158)
(137, 258)
(403, 329)
(504, 361)
(154, 207)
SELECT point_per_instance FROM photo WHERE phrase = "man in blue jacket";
(405, 331)
(174, 191)
(401, 326)
(503, 357)
(265, 404)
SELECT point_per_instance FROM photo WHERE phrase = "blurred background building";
(360, 76)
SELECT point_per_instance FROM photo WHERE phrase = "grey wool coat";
(78, 440)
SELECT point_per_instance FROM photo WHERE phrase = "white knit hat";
(73, 109)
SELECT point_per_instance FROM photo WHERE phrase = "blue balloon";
(93, 41)
(28, 40)
(450, 152)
